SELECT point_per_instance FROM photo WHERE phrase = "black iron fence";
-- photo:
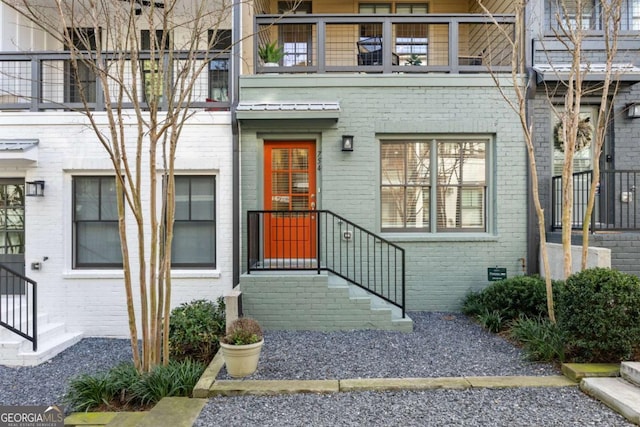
(323, 241)
(19, 304)
(615, 207)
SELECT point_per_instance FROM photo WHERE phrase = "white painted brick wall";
(93, 301)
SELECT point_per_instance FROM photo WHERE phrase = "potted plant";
(271, 54)
(241, 347)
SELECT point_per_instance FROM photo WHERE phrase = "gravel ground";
(46, 384)
(442, 344)
(535, 407)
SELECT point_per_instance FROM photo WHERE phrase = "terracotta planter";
(241, 360)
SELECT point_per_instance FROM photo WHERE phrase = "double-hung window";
(434, 182)
(194, 227)
(95, 223)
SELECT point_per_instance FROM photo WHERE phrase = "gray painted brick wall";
(440, 269)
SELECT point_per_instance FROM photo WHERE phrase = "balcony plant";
(271, 54)
(241, 347)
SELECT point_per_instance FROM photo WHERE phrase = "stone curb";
(204, 384)
(273, 387)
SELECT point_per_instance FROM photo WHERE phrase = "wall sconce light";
(35, 188)
(633, 110)
(347, 142)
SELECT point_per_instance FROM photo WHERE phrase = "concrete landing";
(617, 393)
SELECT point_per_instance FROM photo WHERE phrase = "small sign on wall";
(496, 273)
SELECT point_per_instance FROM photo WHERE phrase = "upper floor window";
(96, 237)
(411, 40)
(81, 79)
(296, 39)
(152, 71)
(587, 14)
(438, 181)
(194, 227)
(219, 40)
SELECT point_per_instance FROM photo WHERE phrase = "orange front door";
(290, 182)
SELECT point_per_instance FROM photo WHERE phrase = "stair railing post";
(318, 237)
(35, 316)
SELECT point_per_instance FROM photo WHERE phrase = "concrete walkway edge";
(272, 387)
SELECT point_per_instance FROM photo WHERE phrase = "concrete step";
(617, 393)
(49, 348)
(378, 304)
(630, 371)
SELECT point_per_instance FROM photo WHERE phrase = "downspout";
(236, 53)
(533, 238)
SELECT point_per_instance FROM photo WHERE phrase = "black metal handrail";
(324, 241)
(19, 304)
(615, 207)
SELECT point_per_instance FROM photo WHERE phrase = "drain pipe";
(236, 54)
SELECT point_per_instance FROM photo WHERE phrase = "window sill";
(439, 237)
(119, 274)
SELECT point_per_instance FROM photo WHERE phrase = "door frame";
(305, 246)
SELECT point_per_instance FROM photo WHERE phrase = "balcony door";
(11, 230)
(290, 182)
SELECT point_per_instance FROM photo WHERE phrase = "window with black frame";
(194, 227)
(81, 78)
(95, 223)
(219, 41)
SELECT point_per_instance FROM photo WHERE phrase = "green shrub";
(195, 328)
(542, 341)
(599, 311)
(491, 320)
(513, 297)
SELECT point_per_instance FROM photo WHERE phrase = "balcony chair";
(370, 52)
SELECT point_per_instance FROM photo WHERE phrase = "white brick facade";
(93, 301)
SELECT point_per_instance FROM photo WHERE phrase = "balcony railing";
(39, 81)
(313, 43)
(615, 207)
(321, 240)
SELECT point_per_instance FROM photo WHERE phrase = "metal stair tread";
(617, 393)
